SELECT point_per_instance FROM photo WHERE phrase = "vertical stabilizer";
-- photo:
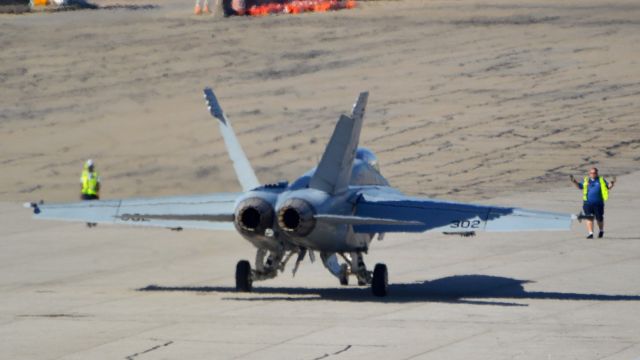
(334, 171)
(244, 171)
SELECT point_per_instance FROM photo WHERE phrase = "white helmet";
(89, 163)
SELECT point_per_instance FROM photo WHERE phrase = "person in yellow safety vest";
(595, 191)
(90, 181)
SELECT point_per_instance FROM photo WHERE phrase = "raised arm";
(612, 183)
(575, 183)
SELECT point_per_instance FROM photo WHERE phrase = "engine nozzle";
(296, 217)
(254, 216)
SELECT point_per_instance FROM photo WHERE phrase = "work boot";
(197, 10)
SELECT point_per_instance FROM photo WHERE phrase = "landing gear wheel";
(380, 281)
(344, 276)
(243, 276)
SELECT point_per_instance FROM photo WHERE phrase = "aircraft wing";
(450, 217)
(210, 212)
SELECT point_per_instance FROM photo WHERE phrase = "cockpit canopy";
(368, 157)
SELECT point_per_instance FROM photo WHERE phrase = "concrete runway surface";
(68, 292)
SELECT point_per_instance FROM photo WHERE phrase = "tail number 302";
(465, 224)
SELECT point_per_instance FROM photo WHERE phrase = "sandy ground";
(470, 100)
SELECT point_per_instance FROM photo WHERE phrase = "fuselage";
(282, 216)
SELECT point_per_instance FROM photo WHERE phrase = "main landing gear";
(244, 281)
(380, 280)
(269, 263)
(354, 265)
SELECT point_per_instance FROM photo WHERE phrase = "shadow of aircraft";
(461, 289)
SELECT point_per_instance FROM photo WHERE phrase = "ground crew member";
(90, 181)
(595, 191)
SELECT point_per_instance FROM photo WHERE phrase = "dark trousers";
(594, 209)
(89, 197)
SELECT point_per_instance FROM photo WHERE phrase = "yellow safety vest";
(604, 190)
(89, 182)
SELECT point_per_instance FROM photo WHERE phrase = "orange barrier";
(299, 6)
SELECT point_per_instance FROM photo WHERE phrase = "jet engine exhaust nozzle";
(254, 216)
(296, 217)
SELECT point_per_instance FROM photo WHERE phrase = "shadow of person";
(462, 289)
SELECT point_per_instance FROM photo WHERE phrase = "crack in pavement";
(130, 357)
(326, 355)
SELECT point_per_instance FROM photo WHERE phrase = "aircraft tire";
(380, 281)
(243, 276)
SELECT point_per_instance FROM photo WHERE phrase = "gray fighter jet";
(335, 209)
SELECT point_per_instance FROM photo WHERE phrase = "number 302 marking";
(465, 224)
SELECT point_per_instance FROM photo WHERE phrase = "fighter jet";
(335, 209)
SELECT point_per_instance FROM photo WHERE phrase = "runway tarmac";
(68, 292)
